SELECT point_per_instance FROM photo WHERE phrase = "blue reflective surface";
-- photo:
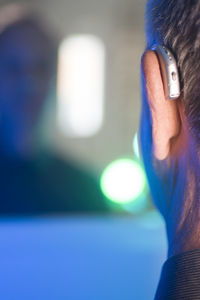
(96, 258)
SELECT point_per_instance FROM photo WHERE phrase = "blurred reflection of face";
(25, 73)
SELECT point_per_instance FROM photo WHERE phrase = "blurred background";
(70, 164)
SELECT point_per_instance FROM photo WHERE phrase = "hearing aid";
(169, 72)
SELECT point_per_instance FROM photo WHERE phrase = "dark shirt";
(180, 277)
(47, 184)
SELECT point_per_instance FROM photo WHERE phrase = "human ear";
(165, 115)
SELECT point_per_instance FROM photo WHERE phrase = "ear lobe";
(164, 112)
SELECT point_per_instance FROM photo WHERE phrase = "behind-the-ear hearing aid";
(169, 71)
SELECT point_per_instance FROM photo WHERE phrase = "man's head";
(27, 60)
(170, 130)
(176, 24)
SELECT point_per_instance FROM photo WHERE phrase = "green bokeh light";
(123, 181)
(136, 145)
(138, 205)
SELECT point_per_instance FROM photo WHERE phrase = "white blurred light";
(136, 146)
(81, 85)
(123, 181)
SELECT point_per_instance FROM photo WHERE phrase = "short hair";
(176, 25)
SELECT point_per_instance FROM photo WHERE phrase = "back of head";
(176, 25)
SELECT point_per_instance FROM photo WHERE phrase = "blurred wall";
(119, 23)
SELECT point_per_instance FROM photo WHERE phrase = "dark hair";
(176, 24)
